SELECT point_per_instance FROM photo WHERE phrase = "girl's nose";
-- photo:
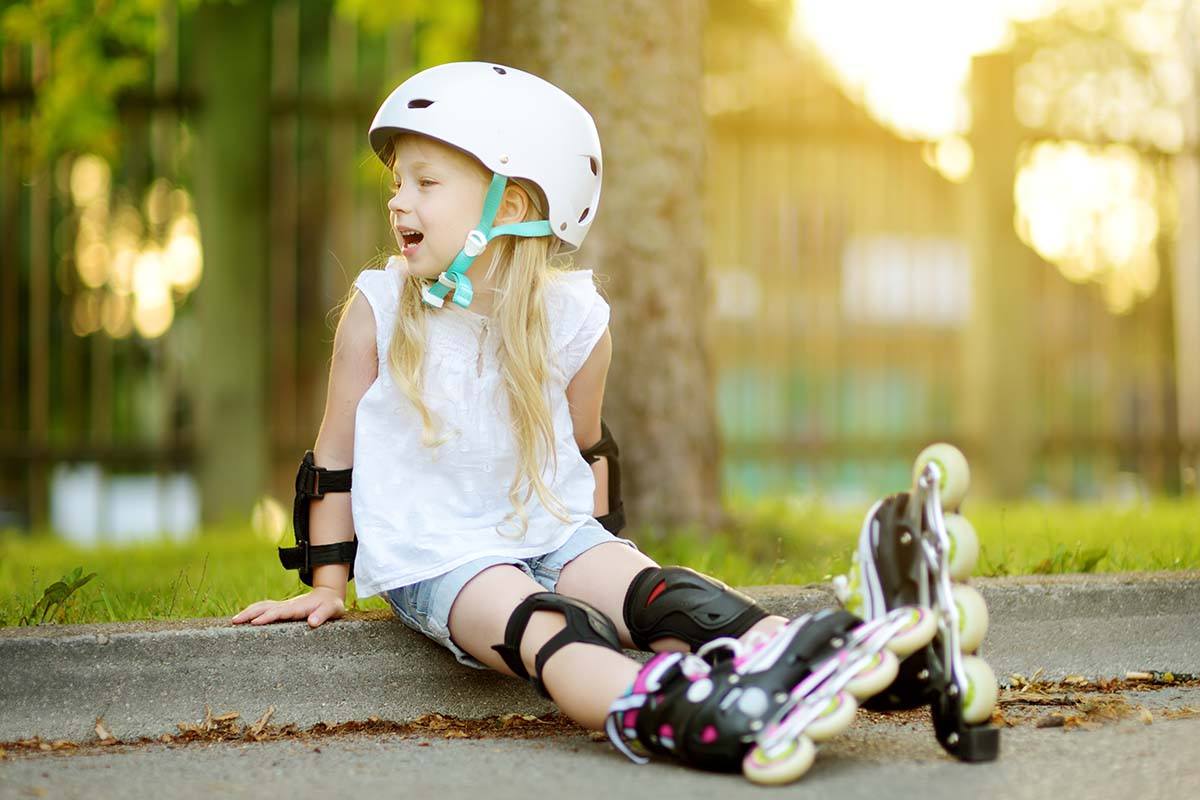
(400, 201)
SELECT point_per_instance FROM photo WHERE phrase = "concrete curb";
(144, 678)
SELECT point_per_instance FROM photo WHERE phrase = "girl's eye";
(428, 182)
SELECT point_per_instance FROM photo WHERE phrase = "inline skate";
(761, 702)
(914, 550)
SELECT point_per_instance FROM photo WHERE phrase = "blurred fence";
(865, 307)
(847, 300)
(83, 388)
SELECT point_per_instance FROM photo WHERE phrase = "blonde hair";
(523, 268)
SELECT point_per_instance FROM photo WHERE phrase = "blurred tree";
(638, 70)
(94, 53)
(232, 74)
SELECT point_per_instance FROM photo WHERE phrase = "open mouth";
(411, 240)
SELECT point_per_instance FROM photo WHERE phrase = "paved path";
(892, 756)
(145, 678)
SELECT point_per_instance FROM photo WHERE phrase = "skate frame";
(924, 515)
(926, 507)
(814, 694)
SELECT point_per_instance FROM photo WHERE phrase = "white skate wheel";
(787, 766)
(982, 691)
(964, 546)
(918, 632)
(972, 617)
(876, 676)
(955, 474)
(835, 719)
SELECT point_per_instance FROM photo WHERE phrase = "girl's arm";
(352, 372)
(354, 368)
(585, 396)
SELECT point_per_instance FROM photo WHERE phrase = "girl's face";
(437, 198)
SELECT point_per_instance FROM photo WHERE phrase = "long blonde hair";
(523, 267)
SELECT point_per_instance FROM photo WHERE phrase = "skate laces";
(760, 651)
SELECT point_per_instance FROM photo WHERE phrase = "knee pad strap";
(682, 603)
(586, 624)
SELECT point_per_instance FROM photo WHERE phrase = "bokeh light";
(269, 519)
(134, 264)
(1092, 211)
(90, 181)
(1112, 73)
(183, 253)
(909, 64)
(953, 157)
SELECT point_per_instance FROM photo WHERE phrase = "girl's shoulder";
(576, 314)
(381, 287)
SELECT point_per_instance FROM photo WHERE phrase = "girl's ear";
(514, 205)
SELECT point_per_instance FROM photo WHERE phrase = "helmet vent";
(419, 103)
(562, 227)
(500, 70)
(595, 166)
(584, 215)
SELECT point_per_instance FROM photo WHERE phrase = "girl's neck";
(482, 303)
(484, 284)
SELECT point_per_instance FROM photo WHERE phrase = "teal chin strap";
(455, 277)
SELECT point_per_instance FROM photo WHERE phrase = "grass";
(215, 574)
(777, 541)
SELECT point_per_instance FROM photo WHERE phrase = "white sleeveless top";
(420, 512)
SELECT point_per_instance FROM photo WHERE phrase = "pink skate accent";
(709, 734)
(666, 732)
(647, 679)
(757, 647)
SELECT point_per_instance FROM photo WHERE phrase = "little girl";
(463, 405)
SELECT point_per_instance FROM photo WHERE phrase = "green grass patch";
(799, 541)
(43, 579)
(215, 574)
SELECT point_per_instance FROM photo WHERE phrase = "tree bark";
(998, 387)
(639, 72)
(233, 46)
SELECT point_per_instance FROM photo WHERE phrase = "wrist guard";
(312, 482)
(606, 448)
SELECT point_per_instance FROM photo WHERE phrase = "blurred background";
(912, 221)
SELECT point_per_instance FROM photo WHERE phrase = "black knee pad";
(682, 603)
(586, 624)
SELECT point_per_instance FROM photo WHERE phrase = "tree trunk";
(1185, 264)
(639, 72)
(233, 46)
(998, 387)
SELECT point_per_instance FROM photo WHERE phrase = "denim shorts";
(425, 606)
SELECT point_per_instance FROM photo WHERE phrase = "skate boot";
(912, 551)
(760, 703)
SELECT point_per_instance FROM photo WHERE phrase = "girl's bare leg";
(583, 679)
(601, 576)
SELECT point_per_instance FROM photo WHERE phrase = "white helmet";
(517, 124)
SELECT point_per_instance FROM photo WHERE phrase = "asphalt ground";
(199, 708)
(1143, 742)
(144, 679)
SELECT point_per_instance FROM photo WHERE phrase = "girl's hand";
(319, 605)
